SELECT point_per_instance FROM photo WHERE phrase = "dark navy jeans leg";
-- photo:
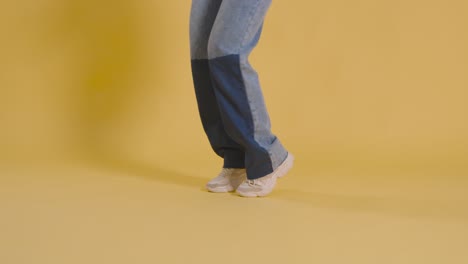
(245, 118)
(222, 144)
(235, 33)
(202, 18)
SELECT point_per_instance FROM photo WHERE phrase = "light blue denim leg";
(234, 35)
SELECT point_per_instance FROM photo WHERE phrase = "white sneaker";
(227, 180)
(264, 185)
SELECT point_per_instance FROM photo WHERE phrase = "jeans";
(230, 101)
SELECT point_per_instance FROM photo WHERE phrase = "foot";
(227, 180)
(264, 185)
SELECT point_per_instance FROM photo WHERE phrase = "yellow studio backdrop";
(345, 81)
(370, 96)
(359, 82)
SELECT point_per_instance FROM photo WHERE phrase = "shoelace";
(252, 182)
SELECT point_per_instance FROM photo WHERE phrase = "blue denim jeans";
(230, 101)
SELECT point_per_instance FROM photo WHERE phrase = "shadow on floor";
(412, 208)
(430, 209)
(143, 170)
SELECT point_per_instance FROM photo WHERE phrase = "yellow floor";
(115, 211)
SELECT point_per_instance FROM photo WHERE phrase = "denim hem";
(277, 155)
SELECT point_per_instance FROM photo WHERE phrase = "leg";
(202, 17)
(235, 33)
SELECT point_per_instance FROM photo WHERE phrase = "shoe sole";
(280, 172)
(222, 189)
(226, 188)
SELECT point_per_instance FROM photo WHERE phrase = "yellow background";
(371, 97)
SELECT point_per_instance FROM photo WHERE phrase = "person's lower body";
(230, 101)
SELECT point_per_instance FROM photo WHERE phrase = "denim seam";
(252, 109)
(249, 25)
(254, 119)
(251, 122)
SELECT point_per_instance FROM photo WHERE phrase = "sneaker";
(227, 180)
(264, 185)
